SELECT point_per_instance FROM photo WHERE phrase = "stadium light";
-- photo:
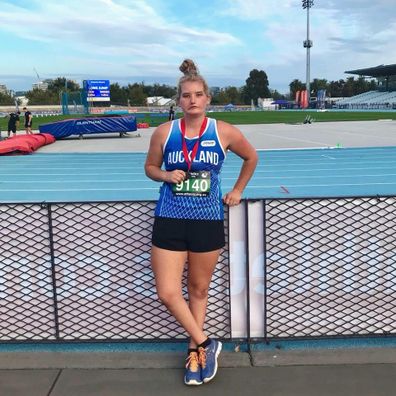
(307, 4)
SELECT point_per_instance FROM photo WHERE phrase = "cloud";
(126, 37)
(256, 9)
(104, 24)
(228, 38)
(345, 35)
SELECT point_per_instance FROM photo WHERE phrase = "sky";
(128, 41)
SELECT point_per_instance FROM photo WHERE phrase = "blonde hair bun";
(191, 74)
(188, 68)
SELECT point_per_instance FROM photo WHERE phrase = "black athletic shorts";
(188, 235)
(12, 128)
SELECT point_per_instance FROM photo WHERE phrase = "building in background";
(214, 91)
(159, 101)
(3, 89)
(42, 85)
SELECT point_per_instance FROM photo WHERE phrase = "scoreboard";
(97, 90)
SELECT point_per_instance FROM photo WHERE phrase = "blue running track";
(120, 176)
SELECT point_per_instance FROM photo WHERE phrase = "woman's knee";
(198, 291)
(169, 297)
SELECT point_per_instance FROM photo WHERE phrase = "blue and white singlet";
(210, 157)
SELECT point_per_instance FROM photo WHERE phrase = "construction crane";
(38, 77)
(40, 84)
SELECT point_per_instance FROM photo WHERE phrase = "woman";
(189, 218)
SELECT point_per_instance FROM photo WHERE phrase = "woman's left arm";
(236, 142)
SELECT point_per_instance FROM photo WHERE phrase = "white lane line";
(322, 185)
(85, 189)
(76, 181)
(227, 186)
(276, 177)
(328, 156)
(338, 176)
(295, 139)
(370, 168)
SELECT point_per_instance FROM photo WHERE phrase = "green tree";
(136, 94)
(372, 85)
(52, 94)
(256, 86)
(318, 84)
(59, 84)
(349, 87)
(223, 96)
(234, 95)
(276, 95)
(294, 86)
(335, 88)
(40, 97)
(362, 85)
(118, 95)
(159, 90)
(6, 99)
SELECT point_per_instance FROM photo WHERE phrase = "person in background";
(171, 114)
(189, 216)
(28, 121)
(13, 123)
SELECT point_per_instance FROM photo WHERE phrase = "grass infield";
(241, 117)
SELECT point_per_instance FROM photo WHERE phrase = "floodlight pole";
(307, 4)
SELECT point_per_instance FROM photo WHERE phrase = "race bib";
(196, 185)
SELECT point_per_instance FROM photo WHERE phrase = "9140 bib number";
(197, 184)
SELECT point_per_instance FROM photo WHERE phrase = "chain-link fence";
(26, 274)
(330, 267)
(82, 272)
(73, 102)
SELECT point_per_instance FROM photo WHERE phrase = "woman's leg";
(168, 269)
(200, 271)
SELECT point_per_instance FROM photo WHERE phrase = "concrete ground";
(317, 372)
(306, 372)
(264, 136)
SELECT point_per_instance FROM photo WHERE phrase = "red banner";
(304, 99)
(298, 97)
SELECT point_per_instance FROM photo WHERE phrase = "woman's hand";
(232, 198)
(155, 159)
(175, 176)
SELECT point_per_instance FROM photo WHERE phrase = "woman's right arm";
(155, 158)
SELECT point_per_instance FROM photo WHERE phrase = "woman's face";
(193, 99)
